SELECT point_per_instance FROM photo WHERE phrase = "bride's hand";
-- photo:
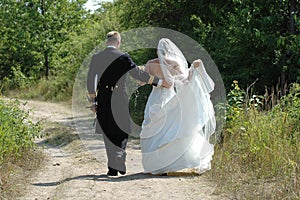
(197, 63)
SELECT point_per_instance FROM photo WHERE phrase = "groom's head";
(113, 38)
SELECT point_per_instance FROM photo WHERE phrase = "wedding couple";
(178, 118)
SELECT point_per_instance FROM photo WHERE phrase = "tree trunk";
(47, 66)
(292, 13)
(283, 76)
(46, 54)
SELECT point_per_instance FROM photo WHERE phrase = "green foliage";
(290, 104)
(242, 39)
(28, 45)
(17, 81)
(236, 100)
(17, 131)
(51, 89)
(261, 146)
(17, 148)
(246, 39)
(18, 33)
(138, 102)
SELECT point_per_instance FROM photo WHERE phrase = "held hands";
(165, 84)
(93, 108)
(141, 83)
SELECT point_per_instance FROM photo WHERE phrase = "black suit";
(111, 67)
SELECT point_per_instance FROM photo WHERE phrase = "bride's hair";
(170, 57)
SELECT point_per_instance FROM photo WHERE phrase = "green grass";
(17, 149)
(58, 135)
(19, 155)
(259, 157)
(42, 89)
(17, 131)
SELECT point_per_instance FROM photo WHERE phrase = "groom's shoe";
(122, 172)
(112, 172)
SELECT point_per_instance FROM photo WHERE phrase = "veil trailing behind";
(178, 121)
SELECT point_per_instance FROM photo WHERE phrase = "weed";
(260, 149)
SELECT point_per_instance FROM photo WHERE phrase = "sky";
(92, 4)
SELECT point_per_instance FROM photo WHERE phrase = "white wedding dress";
(177, 125)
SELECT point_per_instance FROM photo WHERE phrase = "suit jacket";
(110, 67)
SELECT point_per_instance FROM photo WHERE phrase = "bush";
(17, 131)
(260, 153)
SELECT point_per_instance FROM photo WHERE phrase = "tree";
(251, 39)
(33, 30)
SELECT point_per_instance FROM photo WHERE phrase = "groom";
(109, 68)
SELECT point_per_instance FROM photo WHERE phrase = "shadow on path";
(104, 177)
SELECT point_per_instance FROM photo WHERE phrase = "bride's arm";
(153, 67)
(208, 83)
(175, 68)
(196, 64)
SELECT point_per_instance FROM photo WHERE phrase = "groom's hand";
(93, 104)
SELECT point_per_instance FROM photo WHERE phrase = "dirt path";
(71, 171)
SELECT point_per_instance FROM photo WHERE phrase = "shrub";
(17, 131)
(260, 150)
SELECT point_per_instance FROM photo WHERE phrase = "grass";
(259, 157)
(18, 154)
(43, 89)
(58, 135)
(15, 173)
(20, 157)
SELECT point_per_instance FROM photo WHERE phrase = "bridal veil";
(179, 121)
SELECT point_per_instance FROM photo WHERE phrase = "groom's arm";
(143, 76)
(140, 74)
(92, 73)
(91, 83)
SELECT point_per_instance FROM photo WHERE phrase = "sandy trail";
(78, 170)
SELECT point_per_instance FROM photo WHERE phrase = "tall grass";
(259, 157)
(52, 89)
(17, 133)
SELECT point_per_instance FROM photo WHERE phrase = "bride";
(177, 121)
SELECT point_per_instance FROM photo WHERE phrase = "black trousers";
(115, 135)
